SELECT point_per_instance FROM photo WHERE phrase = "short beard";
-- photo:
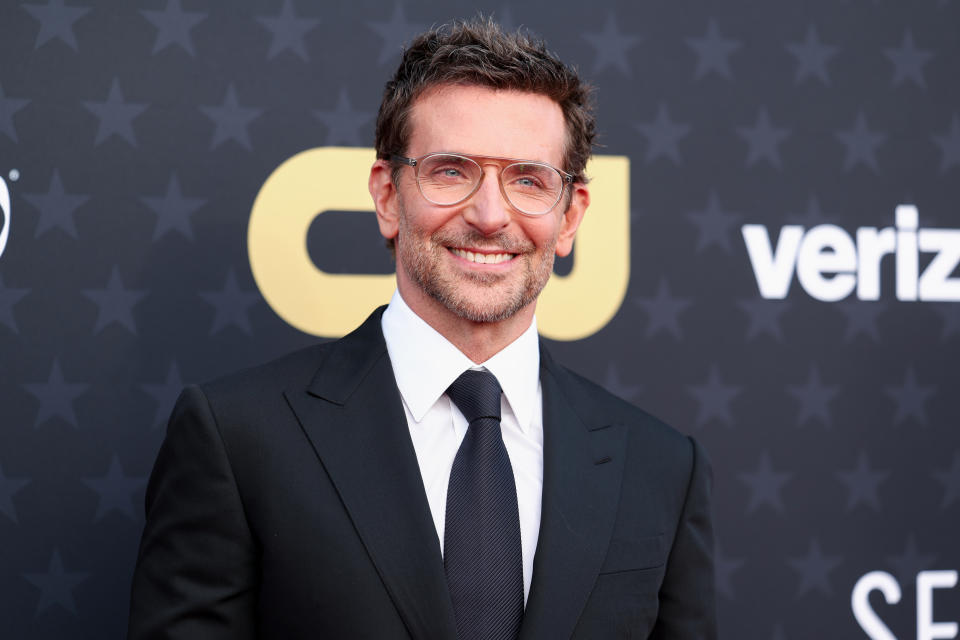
(422, 266)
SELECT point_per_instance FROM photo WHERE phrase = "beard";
(477, 297)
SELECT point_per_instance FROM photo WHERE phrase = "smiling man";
(435, 474)
(476, 229)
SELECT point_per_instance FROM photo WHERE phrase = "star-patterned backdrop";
(135, 135)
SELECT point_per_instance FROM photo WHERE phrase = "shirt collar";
(425, 363)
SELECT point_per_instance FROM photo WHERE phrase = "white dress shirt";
(424, 365)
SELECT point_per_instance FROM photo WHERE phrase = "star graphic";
(116, 490)
(861, 144)
(764, 140)
(173, 210)
(165, 394)
(115, 303)
(56, 585)
(116, 116)
(911, 398)
(231, 305)
(8, 298)
(231, 120)
(713, 52)
(724, 567)
(814, 398)
(765, 485)
(663, 136)
(396, 33)
(814, 569)
(611, 46)
(908, 61)
(56, 21)
(344, 123)
(764, 316)
(173, 26)
(949, 144)
(862, 483)
(714, 225)
(617, 386)
(9, 487)
(8, 107)
(714, 398)
(56, 207)
(911, 562)
(56, 397)
(950, 312)
(287, 31)
(861, 318)
(950, 478)
(812, 217)
(663, 311)
(812, 57)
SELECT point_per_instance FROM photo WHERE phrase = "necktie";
(481, 549)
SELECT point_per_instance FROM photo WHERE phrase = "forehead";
(489, 122)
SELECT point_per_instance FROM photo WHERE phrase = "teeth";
(482, 258)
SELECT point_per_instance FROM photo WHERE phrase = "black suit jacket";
(286, 502)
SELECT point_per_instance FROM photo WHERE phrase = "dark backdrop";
(134, 137)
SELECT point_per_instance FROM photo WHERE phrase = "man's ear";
(570, 221)
(384, 194)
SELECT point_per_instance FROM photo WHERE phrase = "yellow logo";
(571, 307)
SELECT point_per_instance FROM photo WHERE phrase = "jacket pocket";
(632, 554)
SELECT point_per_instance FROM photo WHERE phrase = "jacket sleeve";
(196, 572)
(687, 595)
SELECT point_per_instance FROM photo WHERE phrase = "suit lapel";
(582, 468)
(353, 415)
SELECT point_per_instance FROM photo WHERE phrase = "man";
(349, 491)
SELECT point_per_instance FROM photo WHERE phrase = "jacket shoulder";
(271, 377)
(597, 406)
(298, 369)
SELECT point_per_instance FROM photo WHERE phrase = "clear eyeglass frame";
(416, 163)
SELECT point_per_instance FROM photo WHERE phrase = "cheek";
(418, 218)
(544, 234)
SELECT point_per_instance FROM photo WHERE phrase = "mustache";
(498, 242)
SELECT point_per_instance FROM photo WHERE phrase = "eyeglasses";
(532, 188)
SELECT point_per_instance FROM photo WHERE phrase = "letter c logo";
(571, 307)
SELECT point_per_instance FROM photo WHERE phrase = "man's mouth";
(482, 258)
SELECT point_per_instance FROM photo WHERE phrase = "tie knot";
(476, 394)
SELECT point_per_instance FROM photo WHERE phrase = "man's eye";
(527, 182)
(446, 172)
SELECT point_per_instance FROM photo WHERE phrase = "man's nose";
(486, 210)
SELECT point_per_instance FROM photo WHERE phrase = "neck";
(479, 341)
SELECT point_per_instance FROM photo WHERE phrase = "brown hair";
(478, 52)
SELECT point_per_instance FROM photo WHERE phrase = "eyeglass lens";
(447, 179)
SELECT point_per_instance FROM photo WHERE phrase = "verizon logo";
(830, 264)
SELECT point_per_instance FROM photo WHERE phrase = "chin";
(493, 306)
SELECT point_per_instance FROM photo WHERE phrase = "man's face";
(480, 260)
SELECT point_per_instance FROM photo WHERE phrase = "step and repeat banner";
(771, 263)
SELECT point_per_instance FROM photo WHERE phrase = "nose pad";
(487, 210)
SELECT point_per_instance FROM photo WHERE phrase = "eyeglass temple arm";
(408, 161)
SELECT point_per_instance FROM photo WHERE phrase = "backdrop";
(780, 180)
